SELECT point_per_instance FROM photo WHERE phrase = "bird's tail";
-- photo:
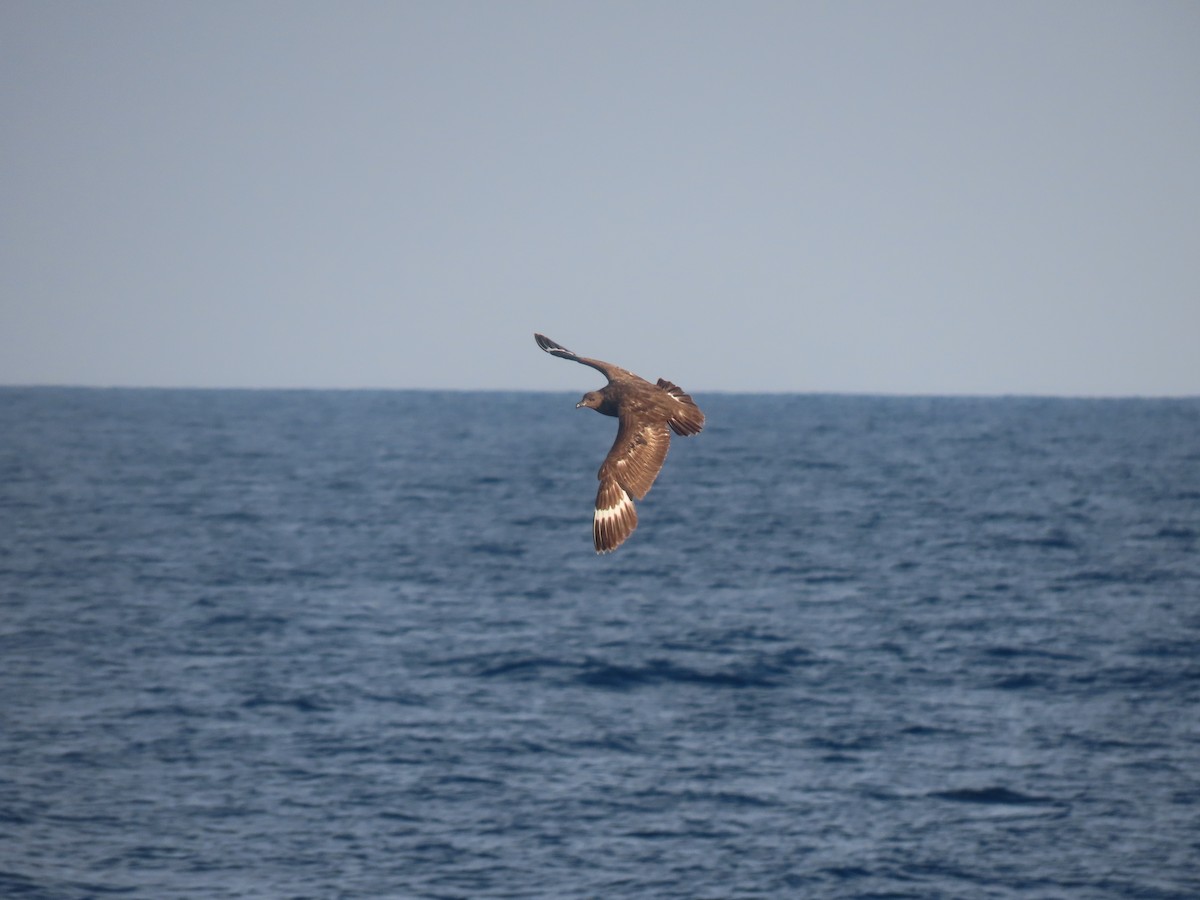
(687, 419)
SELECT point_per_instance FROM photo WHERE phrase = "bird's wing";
(637, 454)
(631, 466)
(615, 516)
(556, 349)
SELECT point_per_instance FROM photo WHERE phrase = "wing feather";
(615, 517)
(556, 349)
(637, 455)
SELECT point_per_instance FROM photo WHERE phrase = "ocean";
(323, 644)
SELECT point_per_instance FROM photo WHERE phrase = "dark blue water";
(298, 644)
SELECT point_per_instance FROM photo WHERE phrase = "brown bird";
(644, 411)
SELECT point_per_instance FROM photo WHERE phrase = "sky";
(867, 197)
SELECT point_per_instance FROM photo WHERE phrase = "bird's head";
(591, 400)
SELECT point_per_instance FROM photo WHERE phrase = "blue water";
(357, 644)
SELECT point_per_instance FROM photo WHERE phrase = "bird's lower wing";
(637, 455)
(628, 471)
(615, 517)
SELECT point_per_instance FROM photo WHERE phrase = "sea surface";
(290, 644)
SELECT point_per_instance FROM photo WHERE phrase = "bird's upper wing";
(556, 349)
(637, 454)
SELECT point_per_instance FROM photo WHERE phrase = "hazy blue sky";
(900, 197)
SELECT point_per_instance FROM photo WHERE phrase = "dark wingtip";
(551, 346)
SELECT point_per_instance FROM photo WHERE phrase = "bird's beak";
(579, 404)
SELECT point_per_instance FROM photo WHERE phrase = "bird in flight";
(647, 414)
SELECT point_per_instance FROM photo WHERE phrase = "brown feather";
(615, 517)
(685, 416)
(637, 455)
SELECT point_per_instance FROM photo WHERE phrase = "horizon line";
(965, 395)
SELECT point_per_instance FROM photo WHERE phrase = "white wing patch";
(615, 517)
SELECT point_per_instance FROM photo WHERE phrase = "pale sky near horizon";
(902, 197)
